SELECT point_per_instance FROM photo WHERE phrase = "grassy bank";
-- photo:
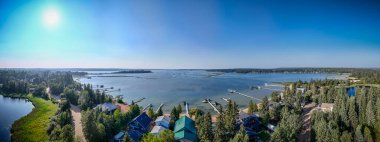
(32, 128)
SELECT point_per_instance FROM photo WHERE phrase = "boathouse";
(185, 130)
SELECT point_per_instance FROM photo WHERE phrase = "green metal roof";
(184, 134)
(185, 123)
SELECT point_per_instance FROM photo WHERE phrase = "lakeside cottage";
(139, 126)
(107, 107)
(185, 130)
(163, 121)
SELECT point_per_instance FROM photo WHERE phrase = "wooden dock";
(215, 109)
(187, 109)
(149, 105)
(236, 92)
(159, 107)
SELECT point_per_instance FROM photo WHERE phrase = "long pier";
(139, 100)
(187, 109)
(234, 91)
(149, 105)
(209, 102)
(159, 107)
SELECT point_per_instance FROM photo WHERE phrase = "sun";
(51, 17)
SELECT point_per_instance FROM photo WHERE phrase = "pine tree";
(151, 113)
(370, 114)
(363, 107)
(358, 134)
(159, 113)
(173, 118)
(352, 115)
(179, 109)
(241, 135)
(250, 107)
(205, 130)
(220, 131)
(346, 137)
(367, 135)
(378, 109)
(230, 119)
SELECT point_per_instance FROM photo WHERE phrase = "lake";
(11, 109)
(172, 87)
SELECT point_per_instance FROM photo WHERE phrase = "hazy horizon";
(189, 34)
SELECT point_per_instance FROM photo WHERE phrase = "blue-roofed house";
(139, 126)
(134, 135)
(107, 107)
(351, 91)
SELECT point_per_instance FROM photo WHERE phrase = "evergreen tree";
(160, 112)
(346, 137)
(205, 129)
(378, 109)
(370, 114)
(166, 136)
(367, 135)
(220, 131)
(250, 107)
(230, 119)
(352, 115)
(363, 107)
(151, 113)
(173, 118)
(358, 134)
(67, 133)
(179, 109)
(241, 135)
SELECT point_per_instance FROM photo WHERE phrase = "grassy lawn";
(32, 128)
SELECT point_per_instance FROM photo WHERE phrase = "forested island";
(132, 71)
(315, 110)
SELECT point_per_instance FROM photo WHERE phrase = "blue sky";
(190, 34)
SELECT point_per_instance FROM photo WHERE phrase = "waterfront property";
(185, 130)
(107, 107)
(139, 126)
(163, 121)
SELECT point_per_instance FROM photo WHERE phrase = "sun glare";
(51, 18)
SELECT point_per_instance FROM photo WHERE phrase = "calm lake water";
(172, 87)
(11, 110)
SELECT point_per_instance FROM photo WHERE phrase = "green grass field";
(32, 128)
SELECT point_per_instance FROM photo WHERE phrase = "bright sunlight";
(51, 17)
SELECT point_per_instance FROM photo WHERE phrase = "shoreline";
(32, 127)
